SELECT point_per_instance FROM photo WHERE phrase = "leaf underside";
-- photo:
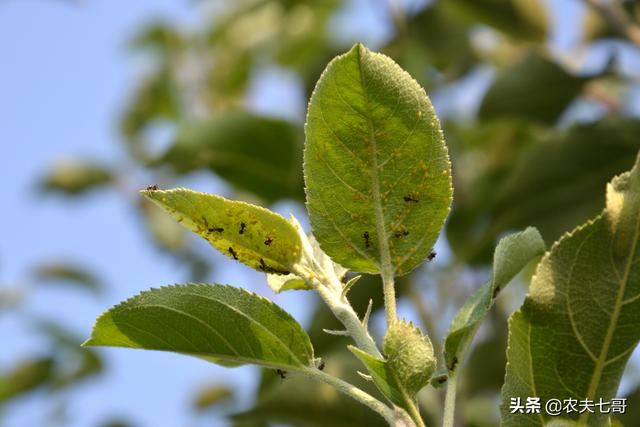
(581, 320)
(377, 172)
(247, 233)
(219, 323)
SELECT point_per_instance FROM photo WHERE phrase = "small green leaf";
(409, 356)
(68, 273)
(212, 396)
(382, 375)
(286, 282)
(512, 254)
(579, 324)
(76, 177)
(377, 172)
(247, 233)
(215, 322)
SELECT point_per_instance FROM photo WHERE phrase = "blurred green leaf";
(72, 274)
(215, 322)
(212, 396)
(553, 186)
(27, 375)
(533, 88)
(257, 154)
(76, 177)
(521, 19)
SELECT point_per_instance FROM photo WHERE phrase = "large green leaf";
(581, 320)
(216, 322)
(534, 88)
(377, 173)
(512, 254)
(257, 154)
(247, 233)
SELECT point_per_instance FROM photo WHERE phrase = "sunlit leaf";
(377, 173)
(579, 324)
(247, 233)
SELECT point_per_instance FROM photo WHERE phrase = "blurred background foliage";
(535, 131)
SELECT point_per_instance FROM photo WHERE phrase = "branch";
(617, 18)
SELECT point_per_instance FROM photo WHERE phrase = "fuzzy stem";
(353, 392)
(450, 402)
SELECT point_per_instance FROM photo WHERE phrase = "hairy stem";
(450, 402)
(353, 392)
(389, 289)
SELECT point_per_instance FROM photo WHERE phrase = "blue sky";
(64, 78)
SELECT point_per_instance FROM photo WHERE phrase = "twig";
(617, 18)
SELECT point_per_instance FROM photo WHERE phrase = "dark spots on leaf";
(242, 227)
(431, 255)
(268, 240)
(367, 241)
(282, 374)
(496, 291)
(401, 233)
(454, 363)
(233, 253)
(153, 187)
(410, 199)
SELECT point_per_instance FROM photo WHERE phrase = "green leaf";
(512, 254)
(534, 88)
(554, 185)
(382, 374)
(68, 273)
(247, 233)
(211, 396)
(215, 322)
(377, 172)
(76, 177)
(257, 154)
(579, 324)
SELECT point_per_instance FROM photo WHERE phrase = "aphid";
(367, 243)
(410, 199)
(268, 240)
(233, 253)
(431, 255)
(281, 373)
(401, 233)
(216, 229)
(242, 227)
(321, 365)
(454, 362)
(495, 291)
(153, 187)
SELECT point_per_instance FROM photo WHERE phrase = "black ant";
(242, 227)
(281, 373)
(153, 187)
(454, 362)
(216, 229)
(321, 365)
(431, 255)
(410, 199)
(233, 253)
(401, 233)
(367, 243)
(268, 240)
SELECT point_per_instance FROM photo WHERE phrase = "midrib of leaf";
(386, 269)
(597, 373)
